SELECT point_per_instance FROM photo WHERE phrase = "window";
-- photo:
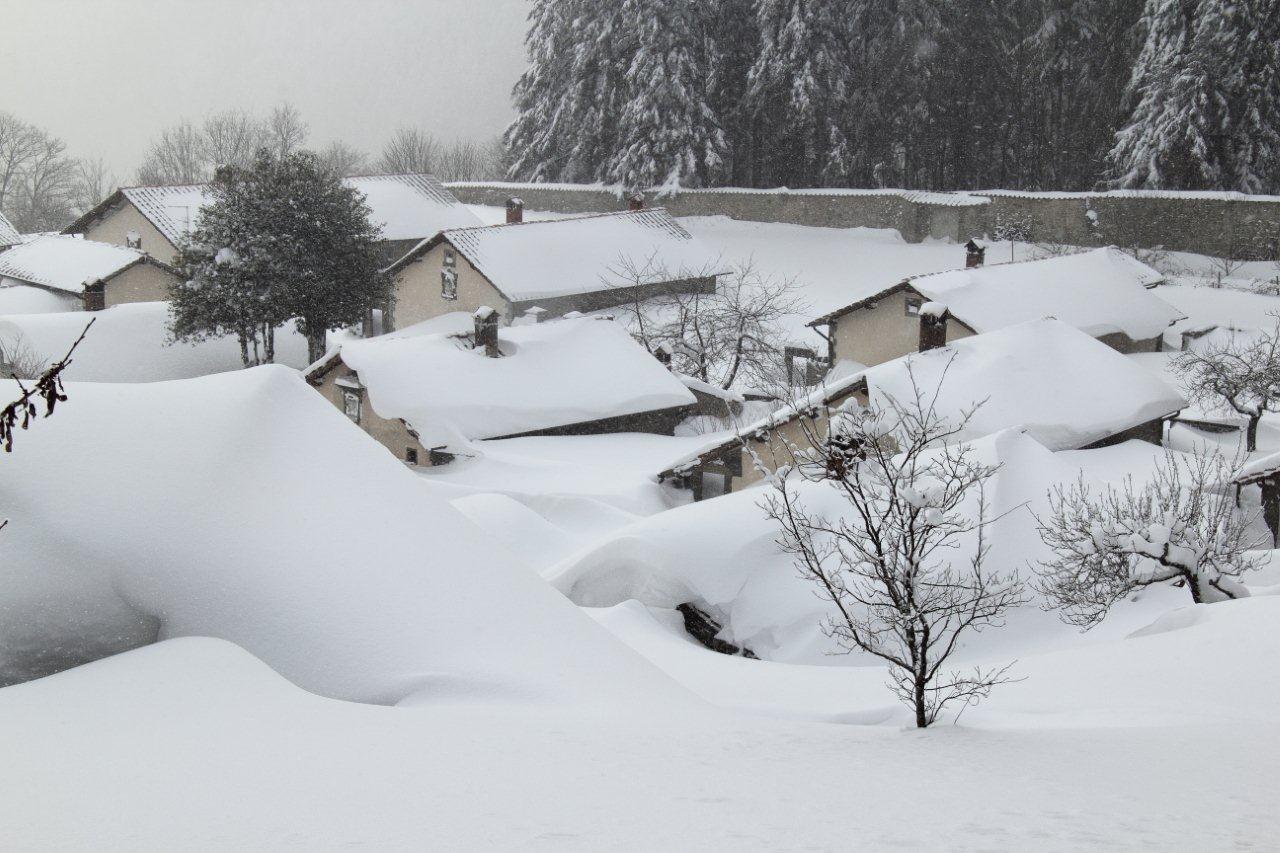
(914, 304)
(449, 275)
(133, 240)
(411, 455)
(351, 405)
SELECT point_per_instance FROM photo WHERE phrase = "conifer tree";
(668, 134)
(1205, 98)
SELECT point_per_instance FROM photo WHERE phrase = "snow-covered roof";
(405, 207)
(9, 235)
(66, 263)
(550, 375)
(581, 254)
(1067, 389)
(1099, 292)
(1259, 469)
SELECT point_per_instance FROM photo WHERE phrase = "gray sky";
(107, 75)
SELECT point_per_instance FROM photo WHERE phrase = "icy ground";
(297, 643)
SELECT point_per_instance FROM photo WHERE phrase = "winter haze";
(123, 71)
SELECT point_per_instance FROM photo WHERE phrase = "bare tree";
(343, 160)
(230, 138)
(903, 560)
(284, 131)
(1242, 372)
(731, 336)
(92, 183)
(19, 360)
(45, 186)
(1182, 526)
(410, 150)
(18, 142)
(177, 157)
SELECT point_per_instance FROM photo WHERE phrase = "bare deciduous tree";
(733, 336)
(1182, 526)
(284, 131)
(410, 150)
(1242, 372)
(36, 177)
(19, 360)
(343, 160)
(230, 138)
(904, 559)
(178, 156)
(93, 182)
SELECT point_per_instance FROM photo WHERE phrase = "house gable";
(882, 328)
(338, 384)
(418, 286)
(113, 220)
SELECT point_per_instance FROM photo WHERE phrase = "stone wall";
(1223, 224)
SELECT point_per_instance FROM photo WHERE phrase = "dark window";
(913, 306)
(411, 455)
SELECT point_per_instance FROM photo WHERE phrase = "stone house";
(428, 397)
(1066, 389)
(84, 274)
(1104, 292)
(557, 266)
(1265, 474)
(407, 208)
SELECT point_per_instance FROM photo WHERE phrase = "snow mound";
(1066, 388)
(130, 343)
(550, 375)
(26, 299)
(243, 506)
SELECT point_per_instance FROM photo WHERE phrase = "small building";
(1103, 292)
(9, 236)
(427, 397)
(1265, 474)
(1066, 389)
(583, 263)
(72, 274)
(407, 208)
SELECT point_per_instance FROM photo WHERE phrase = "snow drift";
(243, 506)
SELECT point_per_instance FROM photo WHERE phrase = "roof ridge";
(577, 218)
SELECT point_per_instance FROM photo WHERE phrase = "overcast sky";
(107, 75)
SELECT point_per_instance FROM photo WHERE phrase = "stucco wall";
(1213, 224)
(116, 225)
(139, 283)
(391, 434)
(417, 290)
(873, 336)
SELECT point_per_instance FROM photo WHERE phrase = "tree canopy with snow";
(1206, 99)
(282, 239)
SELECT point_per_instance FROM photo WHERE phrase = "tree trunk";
(1251, 433)
(922, 722)
(315, 345)
(244, 349)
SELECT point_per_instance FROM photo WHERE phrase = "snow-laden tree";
(732, 37)
(569, 102)
(1180, 526)
(1206, 98)
(667, 133)
(886, 513)
(799, 89)
(733, 337)
(283, 239)
(1241, 372)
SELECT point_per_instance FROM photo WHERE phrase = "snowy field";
(266, 632)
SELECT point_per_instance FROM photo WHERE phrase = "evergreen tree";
(281, 239)
(1205, 98)
(668, 134)
(799, 88)
(732, 36)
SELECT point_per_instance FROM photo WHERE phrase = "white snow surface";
(583, 254)
(131, 343)
(1066, 388)
(551, 374)
(18, 298)
(65, 263)
(244, 506)
(1099, 292)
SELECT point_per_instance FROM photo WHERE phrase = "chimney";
(515, 211)
(974, 254)
(94, 295)
(635, 201)
(486, 334)
(663, 353)
(933, 326)
(533, 314)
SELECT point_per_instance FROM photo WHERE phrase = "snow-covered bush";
(1180, 526)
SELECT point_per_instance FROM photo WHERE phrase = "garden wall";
(1224, 224)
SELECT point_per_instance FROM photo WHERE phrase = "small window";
(351, 405)
(914, 303)
(133, 240)
(411, 455)
(449, 283)
(450, 258)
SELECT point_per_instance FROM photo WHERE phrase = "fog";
(108, 75)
